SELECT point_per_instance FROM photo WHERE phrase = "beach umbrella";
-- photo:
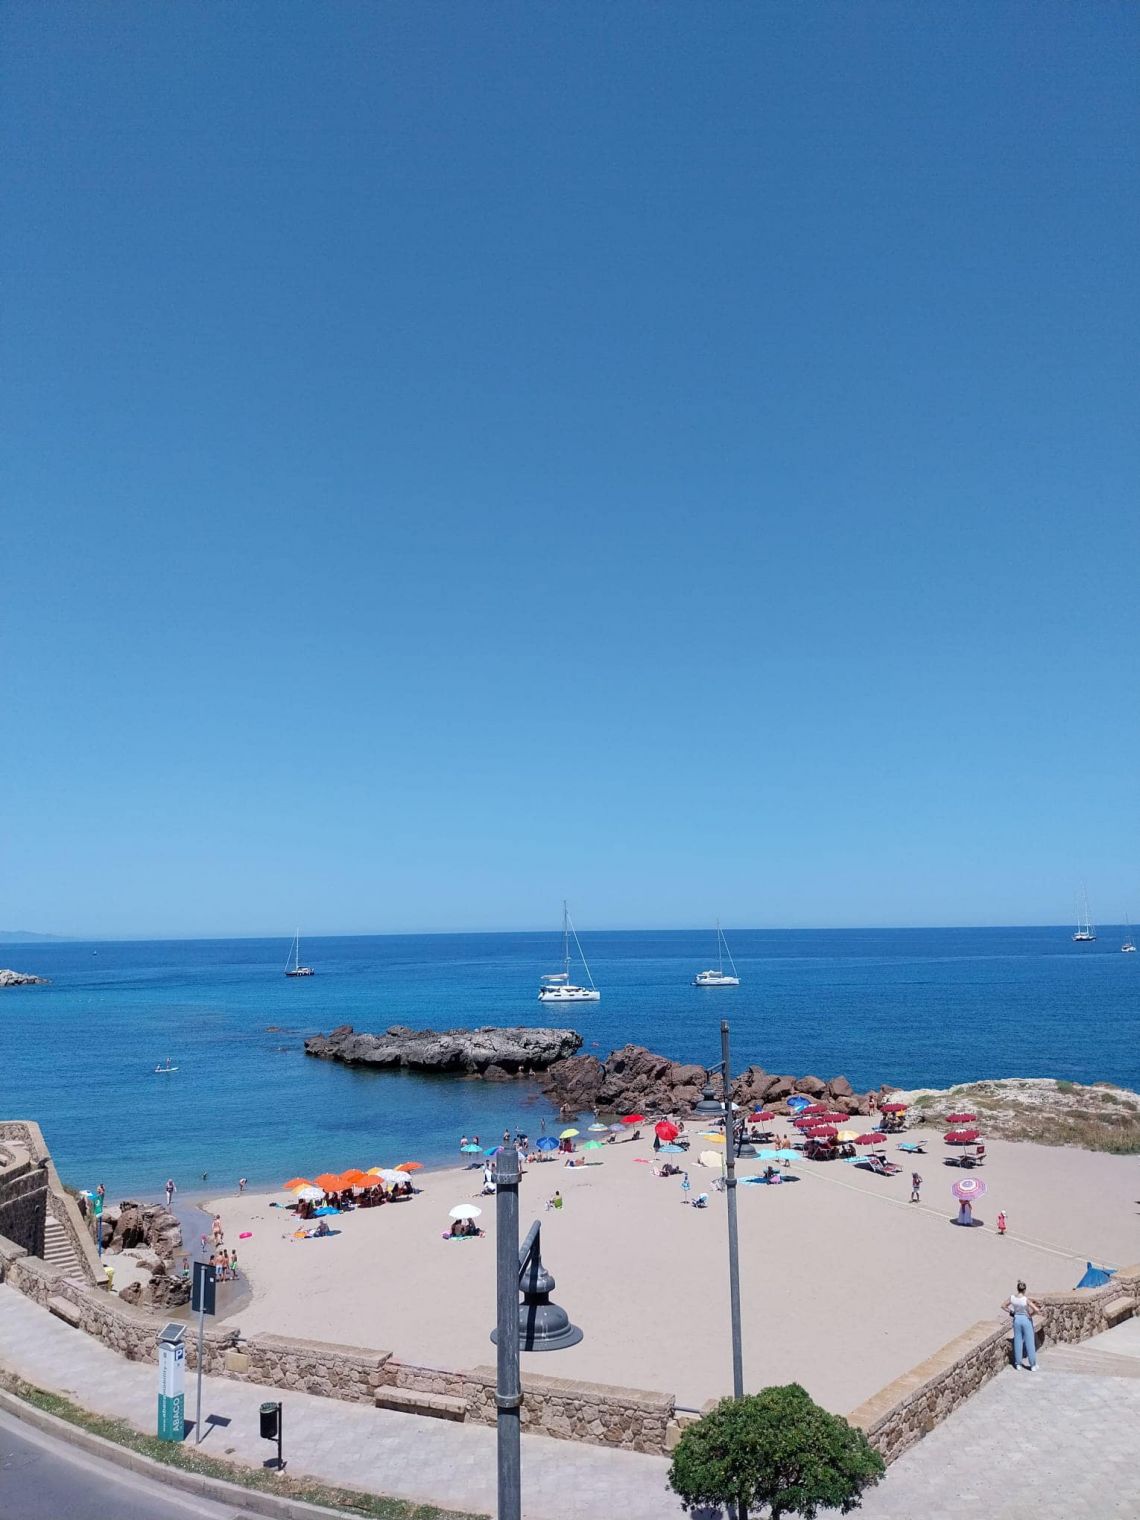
(592, 1145)
(761, 1116)
(673, 1150)
(766, 1155)
(1096, 1277)
(568, 1134)
(799, 1102)
(294, 1182)
(546, 1143)
(968, 1189)
(410, 1166)
(849, 1136)
(892, 1108)
(711, 1158)
(867, 1139)
(464, 1211)
(961, 1137)
(716, 1139)
(356, 1178)
(471, 1149)
(616, 1129)
(389, 1174)
(960, 1118)
(310, 1193)
(816, 1108)
(633, 1119)
(786, 1155)
(597, 1129)
(330, 1181)
(665, 1131)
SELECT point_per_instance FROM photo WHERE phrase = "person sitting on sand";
(701, 1201)
(556, 1201)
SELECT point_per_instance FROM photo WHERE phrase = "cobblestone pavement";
(1044, 1445)
(1047, 1445)
(431, 1461)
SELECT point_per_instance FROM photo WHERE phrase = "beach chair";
(979, 1154)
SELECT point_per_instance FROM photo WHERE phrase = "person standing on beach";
(171, 1189)
(241, 1184)
(1022, 1308)
(1001, 1222)
(915, 1184)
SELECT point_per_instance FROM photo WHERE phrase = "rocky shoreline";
(21, 979)
(494, 1054)
(635, 1079)
(1097, 1116)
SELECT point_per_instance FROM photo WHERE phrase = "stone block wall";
(909, 1408)
(23, 1197)
(58, 1202)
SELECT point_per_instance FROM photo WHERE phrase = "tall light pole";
(708, 1107)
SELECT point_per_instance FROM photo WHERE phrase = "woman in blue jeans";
(1024, 1341)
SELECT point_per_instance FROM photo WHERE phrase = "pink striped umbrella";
(968, 1189)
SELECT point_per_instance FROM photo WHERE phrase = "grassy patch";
(1065, 1087)
(308, 1490)
(924, 1101)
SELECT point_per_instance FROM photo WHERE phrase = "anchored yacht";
(557, 987)
(719, 977)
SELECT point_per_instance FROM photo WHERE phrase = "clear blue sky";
(680, 456)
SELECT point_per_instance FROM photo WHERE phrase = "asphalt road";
(44, 1479)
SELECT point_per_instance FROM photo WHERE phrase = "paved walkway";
(429, 1461)
(1050, 1445)
(1046, 1445)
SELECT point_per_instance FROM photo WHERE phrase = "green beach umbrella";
(592, 1145)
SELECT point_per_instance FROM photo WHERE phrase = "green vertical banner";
(171, 1390)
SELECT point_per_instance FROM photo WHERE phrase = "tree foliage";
(776, 1447)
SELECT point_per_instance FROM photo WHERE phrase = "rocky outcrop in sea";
(636, 1080)
(496, 1054)
(21, 979)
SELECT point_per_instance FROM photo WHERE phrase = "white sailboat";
(558, 988)
(719, 977)
(1129, 945)
(1085, 932)
(293, 965)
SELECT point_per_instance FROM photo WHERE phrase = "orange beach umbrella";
(410, 1166)
(296, 1182)
(330, 1181)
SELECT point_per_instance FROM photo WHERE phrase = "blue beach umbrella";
(546, 1143)
(492, 1150)
(675, 1150)
(799, 1102)
(471, 1149)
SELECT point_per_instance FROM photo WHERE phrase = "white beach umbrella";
(389, 1174)
(464, 1211)
(711, 1159)
(311, 1193)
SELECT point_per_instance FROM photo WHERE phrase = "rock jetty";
(151, 1236)
(496, 1054)
(21, 979)
(636, 1080)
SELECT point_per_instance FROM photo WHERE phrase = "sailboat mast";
(719, 949)
(566, 939)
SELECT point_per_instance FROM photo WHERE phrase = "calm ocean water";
(915, 1007)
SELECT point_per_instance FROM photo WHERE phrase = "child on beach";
(1001, 1222)
(915, 1184)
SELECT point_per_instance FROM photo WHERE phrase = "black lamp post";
(708, 1108)
(535, 1324)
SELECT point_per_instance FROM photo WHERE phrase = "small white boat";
(1129, 945)
(1085, 932)
(558, 988)
(293, 965)
(162, 1071)
(719, 977)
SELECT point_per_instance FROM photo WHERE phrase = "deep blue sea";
(919, 1007)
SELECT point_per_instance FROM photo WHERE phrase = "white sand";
(845, 1284)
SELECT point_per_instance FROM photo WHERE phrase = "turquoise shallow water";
(916, 1007)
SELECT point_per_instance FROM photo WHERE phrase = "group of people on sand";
(364, 1198)
(463, 1228)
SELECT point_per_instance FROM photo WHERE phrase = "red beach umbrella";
(816, 1108)
(666, 1131)
(633, 1119)
(961, 1118)
(761, 1117)
(823, 1132)
(961, 1136)
(868, 1139)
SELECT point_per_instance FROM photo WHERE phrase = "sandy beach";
(845, 1283)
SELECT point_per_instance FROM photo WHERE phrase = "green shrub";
(776, 1447)
(1066, 1087)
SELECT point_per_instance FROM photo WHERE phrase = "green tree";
(776, 1447)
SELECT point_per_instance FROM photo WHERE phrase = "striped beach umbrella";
(968, 1189)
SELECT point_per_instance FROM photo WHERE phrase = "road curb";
(250, 1500)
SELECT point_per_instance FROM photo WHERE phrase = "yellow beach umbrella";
(716, 1139)
(848, 1135)
(568, 1134)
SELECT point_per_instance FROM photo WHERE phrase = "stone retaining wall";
(909, 1408)
(23, 1198)
(59, 1203)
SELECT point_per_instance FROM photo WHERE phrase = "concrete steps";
(1087, 1360)
(58, 1250)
